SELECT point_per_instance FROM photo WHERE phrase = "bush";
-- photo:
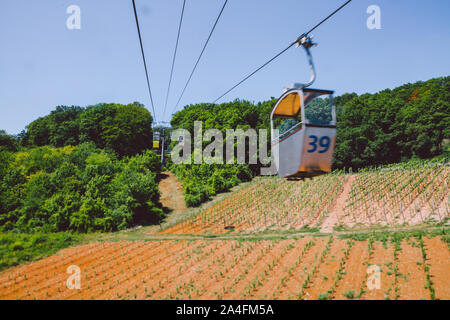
(201, 182)
(17, 248)
(79, 188)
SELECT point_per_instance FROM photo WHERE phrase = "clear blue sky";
(43, 64)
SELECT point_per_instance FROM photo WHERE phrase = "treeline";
(390, 126)
(125, 129)
(411, 121)
(82, 188)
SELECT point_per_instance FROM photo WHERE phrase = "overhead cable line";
(297, 41)
(281, 52)
(174, 57)
(201, 54)
(143, 58)
(251, 74)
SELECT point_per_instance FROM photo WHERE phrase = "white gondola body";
(306, 149)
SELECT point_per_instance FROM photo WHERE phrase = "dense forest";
(411, 121)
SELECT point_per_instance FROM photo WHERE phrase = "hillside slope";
(413, 193)
(301, 268)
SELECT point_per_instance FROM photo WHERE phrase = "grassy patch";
(340, 228)
(324, 296)
(393, 236)
(16, 248)
(308, 229)
(350, 294)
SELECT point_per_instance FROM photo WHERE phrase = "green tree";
(8, 142)
(125, 129)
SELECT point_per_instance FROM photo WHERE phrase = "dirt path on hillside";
(172, 199)
(337, 212)
(171, 191)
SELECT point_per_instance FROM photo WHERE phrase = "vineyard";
(305, 268)
(212, 191)
(413, 193)
(272, 239)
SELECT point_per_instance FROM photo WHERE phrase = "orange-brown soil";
(438, 259)
(383, 257)
(412, 280)
(327, 271)
(293, 286)
(171, 191)
(355, 271)
(228, 269)
(337, 214)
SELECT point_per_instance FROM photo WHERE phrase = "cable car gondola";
(156, 140)
(303, 124)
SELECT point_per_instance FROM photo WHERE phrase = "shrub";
(17, 248)
(78, 188)
(201, 182)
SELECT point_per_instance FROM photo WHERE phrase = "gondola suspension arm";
(307, 44)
